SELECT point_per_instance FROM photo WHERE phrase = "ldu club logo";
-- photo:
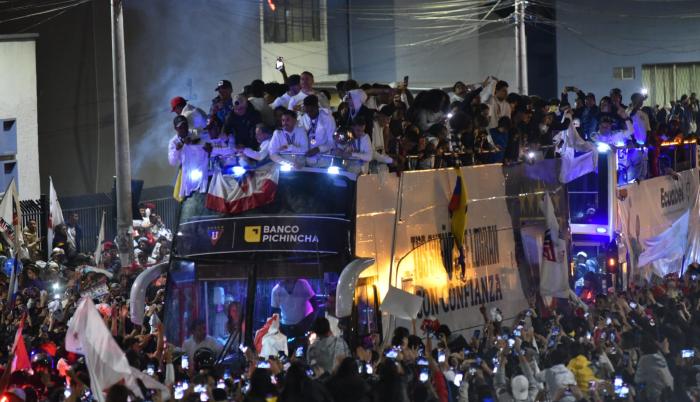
(252, 234)
(215, 235)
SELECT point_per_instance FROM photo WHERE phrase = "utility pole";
(520, 46)
(122, 158)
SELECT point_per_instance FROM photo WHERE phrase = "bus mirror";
(137, 299)
(345, 291)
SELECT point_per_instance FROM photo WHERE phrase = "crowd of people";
(633, 345)
(48, 290)
(378, 126)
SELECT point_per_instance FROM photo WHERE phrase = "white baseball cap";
(519, 386)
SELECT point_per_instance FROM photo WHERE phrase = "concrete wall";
(19, 101)
(176, 47)
(299, 56)
(590, 41)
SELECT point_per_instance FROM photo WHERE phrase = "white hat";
(57, 250)
(519, 386)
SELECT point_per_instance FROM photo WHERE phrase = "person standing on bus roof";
(289, 139)
(319, 126)
(359, 150)
(189, 152)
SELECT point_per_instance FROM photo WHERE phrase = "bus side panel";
(652, 207)
(422, 237)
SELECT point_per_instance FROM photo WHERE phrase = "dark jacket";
(243, 127)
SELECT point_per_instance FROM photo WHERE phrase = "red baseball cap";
(177, 101)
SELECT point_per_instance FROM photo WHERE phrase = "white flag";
(55, 217)
(572, 166)
(554, 272)
(100, 239)
(665, 252)
(88, 335)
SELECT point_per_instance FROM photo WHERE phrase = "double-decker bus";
(350, 238)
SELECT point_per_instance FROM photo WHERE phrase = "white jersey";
(295, 306)
(194, 161)
(319, 131)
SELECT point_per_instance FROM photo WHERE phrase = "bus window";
(182, 301)
(588, 270)
(225, 308)
(297, 300)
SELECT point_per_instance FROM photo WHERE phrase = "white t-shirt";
(295, 306)
(281, 101)
(190, 346)
(298, 99)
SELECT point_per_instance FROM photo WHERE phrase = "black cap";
(223, 84)
(179, 120)
(387, 110)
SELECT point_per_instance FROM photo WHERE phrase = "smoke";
(182, 48)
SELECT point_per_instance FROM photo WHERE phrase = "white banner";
(653, 217)
(423, 244)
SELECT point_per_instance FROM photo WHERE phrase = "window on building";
(668, 82)
(623, 73)
(292, 21)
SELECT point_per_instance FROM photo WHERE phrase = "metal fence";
(90, 208)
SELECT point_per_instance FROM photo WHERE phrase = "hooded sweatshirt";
(652, 370)
(555, 378)
(581, 368)
(326, 350)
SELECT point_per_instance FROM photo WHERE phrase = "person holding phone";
(306, 84)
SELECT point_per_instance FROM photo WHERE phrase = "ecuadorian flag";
(458, 216)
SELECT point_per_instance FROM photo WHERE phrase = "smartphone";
(392, 353)
(441, 356)
(66, 393)
(555, 330)
(624, 391)
(588, 336)
(687, 353)
(279, 64)
(633, 305)
(150, 369)
(368, 369)
(242, 348)
(458, 379)
(424, 375)
(592, 385)
(516, 332)
(478, 361)
(422, 361)
(608, 321)
(477, 333)
(299, 352)
(472, 371)
(199, 388)
(179, 392)
(310, 373)
(221, 384)
(617, 384)
(263, 364)
(185, 362)
(405, 80)
(227, 374)
(511, 342)
(612, 337)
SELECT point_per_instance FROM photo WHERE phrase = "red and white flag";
(233, 195)
(55, 216)
(107, 365)
(554, 272)
(21, 360)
